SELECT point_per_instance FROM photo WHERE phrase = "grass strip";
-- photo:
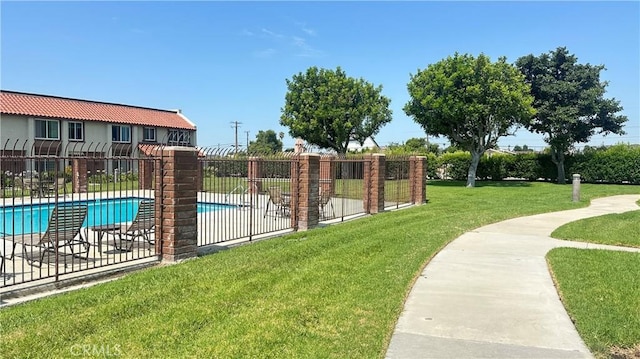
(621, 229)
(601, 291)
(333, 292)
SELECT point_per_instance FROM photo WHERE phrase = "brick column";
(145, 173)
(254, 175)
(176, 203)
(305, 201)
(374, 171)
(79, 178)
(327, 174)
(200, 176)
(418, 179)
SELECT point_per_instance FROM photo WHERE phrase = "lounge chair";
(62, 231)
(281, 201)
(142, 227)
(325, 201)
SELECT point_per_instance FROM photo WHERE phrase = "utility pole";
(247, 132)
(236, 124)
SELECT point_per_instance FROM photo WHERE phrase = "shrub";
(455, 165)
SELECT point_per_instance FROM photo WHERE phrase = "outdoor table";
(101, 230)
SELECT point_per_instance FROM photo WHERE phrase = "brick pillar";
(327, 174)
(145, 173)
(79, 178)
(200, 176)
(418, 179)
(254, 175)
(305, 201)
(374, 176)
(176, 200)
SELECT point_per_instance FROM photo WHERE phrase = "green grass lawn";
(617, 229)
(601, 291)
(333, 292)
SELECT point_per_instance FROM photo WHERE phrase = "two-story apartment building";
(41, 125)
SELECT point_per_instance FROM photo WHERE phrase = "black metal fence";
(71, 210)
(247, 196)
(88, 207)
(397, 186)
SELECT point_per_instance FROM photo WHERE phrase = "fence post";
(79, 179)
(254, 175)
(373, 183)
(145, 173)
(418, 179)
(200, 176)
(305, 199)
(378, 165)
(176, 193)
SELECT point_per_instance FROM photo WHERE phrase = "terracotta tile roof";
(18, 103)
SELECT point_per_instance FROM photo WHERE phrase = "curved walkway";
(489, 294)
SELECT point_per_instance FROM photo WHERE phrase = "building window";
(149, 134)
(76, 131)
(179, 137)
(121, 134)
(47, 130)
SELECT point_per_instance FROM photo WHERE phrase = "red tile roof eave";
(138, 123)
(45, 106)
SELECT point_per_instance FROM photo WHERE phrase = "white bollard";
(576, 187)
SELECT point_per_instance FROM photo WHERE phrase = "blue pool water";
(34, 218)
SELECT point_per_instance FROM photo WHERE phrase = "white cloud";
(271, 33)
(304, 49)
(266, 53)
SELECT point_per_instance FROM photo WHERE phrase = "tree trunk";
(557, 156)
(473, 167)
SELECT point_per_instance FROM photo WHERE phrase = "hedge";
(615, 164)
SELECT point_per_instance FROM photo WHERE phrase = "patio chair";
(142, 227)
(63, 230)
(325, 201)
(57, 187)
(18, 185)
(33, 185)
(281, 201)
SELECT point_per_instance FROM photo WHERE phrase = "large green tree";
(570, 102)
(471, 101)
(266, 142)
(328, 109)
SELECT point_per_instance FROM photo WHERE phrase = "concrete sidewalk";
(489, 294)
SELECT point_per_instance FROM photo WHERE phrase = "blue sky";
(228, 61)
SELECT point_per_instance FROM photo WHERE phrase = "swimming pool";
(23, 219)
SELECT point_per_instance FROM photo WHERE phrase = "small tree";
(471, 101)
(266, 142)
(570, 103)
(328, 109)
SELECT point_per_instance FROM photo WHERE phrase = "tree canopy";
(328, 109)
(471, 101)
(570, 102)
(266, 142)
